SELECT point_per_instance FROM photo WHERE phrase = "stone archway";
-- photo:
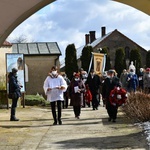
(12, 13)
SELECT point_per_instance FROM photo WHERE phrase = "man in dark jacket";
(14, 92)
(109, 84)
(93, 82)
(65, 102)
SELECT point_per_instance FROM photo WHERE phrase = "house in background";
(39, 58)
(112, 40)
(5, 48)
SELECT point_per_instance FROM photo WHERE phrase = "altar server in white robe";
(54, 86)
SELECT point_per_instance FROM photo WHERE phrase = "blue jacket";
(132, 81)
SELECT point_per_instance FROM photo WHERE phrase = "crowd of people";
(83, 90)
(86, 90)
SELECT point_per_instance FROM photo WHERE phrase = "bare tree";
(20, 39)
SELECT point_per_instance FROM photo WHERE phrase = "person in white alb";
(54, 86)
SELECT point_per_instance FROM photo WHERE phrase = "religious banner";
(99, 61)
(14, 60)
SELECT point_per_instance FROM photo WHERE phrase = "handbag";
(12, 95)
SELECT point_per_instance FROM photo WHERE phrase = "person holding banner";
(14, 92)
(94, 83)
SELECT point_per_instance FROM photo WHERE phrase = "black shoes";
(55, 123)
(109, 119)
(77, 117)
(13, 119)
(59, 122)
(95, 108)
(114, 120)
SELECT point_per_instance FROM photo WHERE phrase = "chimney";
(92, 36)
(87, 39)
(103, 31)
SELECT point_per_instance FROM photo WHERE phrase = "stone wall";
(116, 40)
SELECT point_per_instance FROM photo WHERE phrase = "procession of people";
(90, 90)
(85, 90)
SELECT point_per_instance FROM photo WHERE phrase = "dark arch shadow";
(21, 17)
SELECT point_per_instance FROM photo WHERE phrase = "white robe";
(53, 83)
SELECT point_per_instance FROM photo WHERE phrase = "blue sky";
(67, 22)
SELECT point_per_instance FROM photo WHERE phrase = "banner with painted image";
(99, 61)
(16, 61)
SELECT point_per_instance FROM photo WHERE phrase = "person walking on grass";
(54, 86)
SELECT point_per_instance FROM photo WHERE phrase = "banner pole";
(90, 64)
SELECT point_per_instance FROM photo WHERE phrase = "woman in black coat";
(14, 92)
(94, 83)
(109, 84)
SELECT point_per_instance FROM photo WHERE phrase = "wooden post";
(23, 100)
(7, 100)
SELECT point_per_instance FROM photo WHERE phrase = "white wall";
(3, 51)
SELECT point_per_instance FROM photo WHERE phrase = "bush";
(137, 107)
(2, 83)
(32, 100)
(3, 92)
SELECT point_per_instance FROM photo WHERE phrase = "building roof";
(95, 43)
(39, 48)
(79, 50)
(99, 40)
(6, 43)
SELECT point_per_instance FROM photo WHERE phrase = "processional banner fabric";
(99, 62)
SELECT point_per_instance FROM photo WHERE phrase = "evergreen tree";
(71, 61)
(135, 56)
(148, 59)
(105, 51)
(86, 57)
(120, 60)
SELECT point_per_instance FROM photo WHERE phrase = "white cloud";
(67, 22)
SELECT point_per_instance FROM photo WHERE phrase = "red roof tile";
(6, 43)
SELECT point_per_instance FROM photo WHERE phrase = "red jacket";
(88, 96)
(118, 96)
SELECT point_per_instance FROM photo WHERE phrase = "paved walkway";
(34, 131)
